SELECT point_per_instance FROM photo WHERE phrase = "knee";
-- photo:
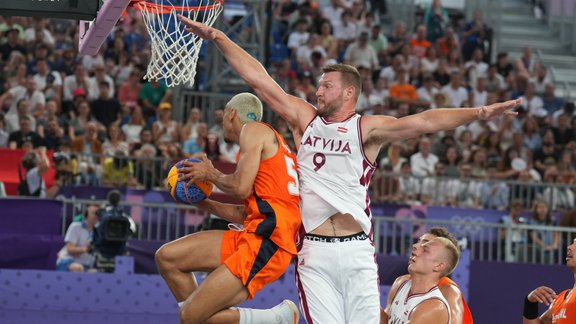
(187, 316)
(162, 256)
(75, 267)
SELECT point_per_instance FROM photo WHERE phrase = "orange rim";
(166, 9)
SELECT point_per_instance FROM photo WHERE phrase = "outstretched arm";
(384, 128)
(292, 109)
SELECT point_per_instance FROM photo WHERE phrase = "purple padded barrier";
(93, 317)
(30, 216)
(497, 290)
(92, 39)
(22, 251)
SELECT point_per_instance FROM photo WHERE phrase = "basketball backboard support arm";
(92, 38)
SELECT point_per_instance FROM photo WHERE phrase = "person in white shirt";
(36, 99)
(457, 95)
(360, 53)
(333, 12)
(49, 82)
(427, 91)
(424, 161)
(347, 31)
(476, 67)
(304, 52)
(479, 96)
(299, 36)
(417, 299)
(532, 102)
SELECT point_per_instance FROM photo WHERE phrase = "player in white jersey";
(336, 270)
(418, 299)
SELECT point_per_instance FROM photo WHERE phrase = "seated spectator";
(48, 81)
(24, 135)
(568, 111)
(218, 124)
(88, 150)
(130, 89)
(540, 79)
(551, 103)
(448, 42)
(147, 171)
(423, 163)
(75, 256)
(228, 151)
(430, 62)
(455, 63)
(212, 148)
(75, 81)
(403, 92)
(53, 134)
(546, 241)
(115, 142)
(419, 44)
(442, 75)
(106, 109)
(389, 73)
(494, 194)
(80, 119)
(465, 191)
(166, 130)
(4, 134)
(13, 120)
(151, 95)
(495, 83)
(360, 53)
(531, 134)
(35, 98)
(11, 45)
(434, 188)
(190, 129)
(298, 37)
(118, 171)
(304, 52)
(533, 103)
(398, 38)
(134, 126)
(561, 196)
(474, 34)
(547, 155)
(194, 147)
(379, 42)
(479, 96)
(328, 41)
(456, 93)
(512, 238)
(409, 186)
(347, 30)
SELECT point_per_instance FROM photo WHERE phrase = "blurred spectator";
(419, 44)
(347, 30)
(455, 63)
(540, 79)
(563, 133)
(435, 19)
(495, 82)
(39, 25)
(551, 103)
(533, 103)
(12, 44)
(409, 187)
(134, 126)
(423, 162)
(448, 42)
(516, 237)
(525, 65)
(146, 171)
(298, 37)
(379, 43)
(360, 53)
(218, 127)
(115, 142)
(194, 146)
(165, 129)
(74, 81)
(494, 194)
(398, 39)
(67, 63)
(151, 95)
(3, 131)
(478, 96)
(106, 109)
(75, 256)
(79, 121)
(53, 134)
(442, 75)
(562, 197)
(531, 134)
(13, 120)
(430, 61)
(96, 82)
(88, 149)
(35, 98)
(546, 241)
(474, 35)
(503, 66)
(212, 147)
(465, 190)
(304, 52)
(35, 165)
(547, 155)
(190, 129)
(229, 151)
(118, 171)
(328, 41)
(568, 111)
(402, 92)
(389, 73)
(456, 93)
(24, 135)
(476, 68)
(48, 81)
(434, 189)
(479, 163)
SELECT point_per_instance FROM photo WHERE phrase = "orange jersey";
(467, 314)
(403, 91)
(273, 209)
(564, 308)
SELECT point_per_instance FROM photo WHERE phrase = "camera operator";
(76, 255)
(111, 233)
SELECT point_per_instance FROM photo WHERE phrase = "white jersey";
(403, 304)
(334, 173)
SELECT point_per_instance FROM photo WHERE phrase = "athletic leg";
(195, 252)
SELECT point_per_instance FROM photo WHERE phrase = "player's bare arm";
(238, 184)
(384, 128)
(391, 294)
(454, 298)
(292, 109)
(544, 295)
(231, 212)
(429, 311)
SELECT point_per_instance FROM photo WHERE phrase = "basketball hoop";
(174, 50)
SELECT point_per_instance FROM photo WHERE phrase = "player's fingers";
(511, 113)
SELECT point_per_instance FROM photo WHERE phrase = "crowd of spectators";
(111, 127)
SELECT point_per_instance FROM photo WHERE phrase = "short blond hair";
(247, 106)
(450, 255)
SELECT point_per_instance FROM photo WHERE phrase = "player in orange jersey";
(460, 312)
(244, 261)
(562, 306)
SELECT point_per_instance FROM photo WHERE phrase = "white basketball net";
(174, 50)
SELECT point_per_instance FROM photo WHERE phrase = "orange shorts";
(255, 260)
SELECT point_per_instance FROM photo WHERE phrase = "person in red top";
(460, 312)
(240, 262)
(562, 308)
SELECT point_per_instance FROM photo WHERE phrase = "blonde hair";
(247, 106)
(450, 255)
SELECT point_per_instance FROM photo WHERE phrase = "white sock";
(257, 316)
(180, 304)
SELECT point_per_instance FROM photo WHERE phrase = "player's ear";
(440, 266)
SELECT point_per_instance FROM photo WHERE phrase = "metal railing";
(390, 187)
(486, 241)
(392, 236)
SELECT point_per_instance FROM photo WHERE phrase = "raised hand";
(542, 295)
(203, 31)
(499, 109)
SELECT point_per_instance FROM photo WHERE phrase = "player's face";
(571, 256)
(425, 258)
(423, 239)
(227, 124)
(329, 93)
